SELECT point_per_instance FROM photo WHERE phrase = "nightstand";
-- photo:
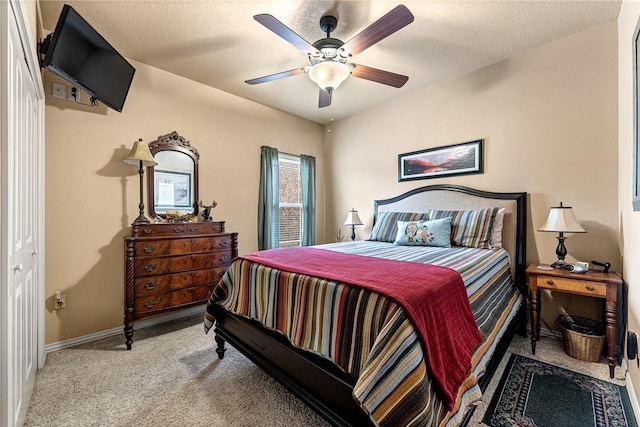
(591, 284)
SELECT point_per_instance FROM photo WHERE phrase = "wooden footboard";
(318, 383)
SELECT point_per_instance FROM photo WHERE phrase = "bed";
(360, 356)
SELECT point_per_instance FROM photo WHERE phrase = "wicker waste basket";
(583, 338)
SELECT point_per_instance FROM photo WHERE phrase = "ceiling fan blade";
(276, 76)
(378, 76)
(324, 100)
(394, 20)
(286, 33)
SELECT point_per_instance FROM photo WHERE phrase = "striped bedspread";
(375, 342)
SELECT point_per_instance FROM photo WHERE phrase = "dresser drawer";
(206, 244)
(576, 286)
(177, 229)
(153, 266)
(205, 227)
(152, 285)
(161, 247)
(161, 265)
(211, 259)
(172, 299)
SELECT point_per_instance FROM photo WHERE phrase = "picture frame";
(172, 190)
(635, 171)
(457, 159)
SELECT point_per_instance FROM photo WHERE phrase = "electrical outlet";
(74, 94)
(59, 300)
(59, 90)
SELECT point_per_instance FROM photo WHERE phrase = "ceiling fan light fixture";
(328, 75)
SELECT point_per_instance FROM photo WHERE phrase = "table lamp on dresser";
(140, 155)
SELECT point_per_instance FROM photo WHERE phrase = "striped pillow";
(472, 229)
(386, 226)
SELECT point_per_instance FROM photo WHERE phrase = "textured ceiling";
(219, 44)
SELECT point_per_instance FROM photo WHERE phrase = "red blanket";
(433, 297)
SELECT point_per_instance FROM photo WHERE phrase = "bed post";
(220, 348)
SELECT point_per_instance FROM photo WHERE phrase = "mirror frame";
(172, 142)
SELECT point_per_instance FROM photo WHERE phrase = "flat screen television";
(78, 53)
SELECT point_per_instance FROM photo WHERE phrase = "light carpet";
(173, 377)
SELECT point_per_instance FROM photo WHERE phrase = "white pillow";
(496, 233)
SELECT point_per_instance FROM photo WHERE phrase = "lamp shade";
(561, 220)
(353, 218)
(140, 153)
(328, 75)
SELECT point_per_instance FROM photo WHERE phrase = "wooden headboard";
(454, 197)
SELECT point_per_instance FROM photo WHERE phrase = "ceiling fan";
(328, 56)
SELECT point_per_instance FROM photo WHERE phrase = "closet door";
(21, 299)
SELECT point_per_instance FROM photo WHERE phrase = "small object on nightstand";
(605, 265)
(545, 267)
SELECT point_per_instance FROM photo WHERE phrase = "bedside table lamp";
(561, 220)
(353, 219)
(141, 155)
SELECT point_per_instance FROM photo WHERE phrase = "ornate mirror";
(173, 183)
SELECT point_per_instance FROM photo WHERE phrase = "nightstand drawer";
(575, 286)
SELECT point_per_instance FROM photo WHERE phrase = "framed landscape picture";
(457, 159)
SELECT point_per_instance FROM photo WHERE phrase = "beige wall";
(549, 121)
(629, 220)
(92, 196)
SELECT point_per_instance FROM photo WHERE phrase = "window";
(286, 200)
(290, 198)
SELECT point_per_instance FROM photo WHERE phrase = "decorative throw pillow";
(424, 233)
(471, 228)
(386, 226)
(496, 234)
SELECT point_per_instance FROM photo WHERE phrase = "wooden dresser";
(173, 266)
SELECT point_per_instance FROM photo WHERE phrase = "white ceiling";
(217, 42)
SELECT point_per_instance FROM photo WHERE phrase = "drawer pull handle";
(177, 229)
(150, 286)
(590, 287)
(224, 242)
(192, 229)
(550, 282)
(149, 249)
(150, 267)
(224, 258)
(150, 304)
(147, 230)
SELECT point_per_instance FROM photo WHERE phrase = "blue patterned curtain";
(268, 200)
(308, 184)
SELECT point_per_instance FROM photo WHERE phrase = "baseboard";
(199, 309)
(633, 397)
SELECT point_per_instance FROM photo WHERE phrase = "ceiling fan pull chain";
(330, 114)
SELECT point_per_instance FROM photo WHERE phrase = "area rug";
(532, 393)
